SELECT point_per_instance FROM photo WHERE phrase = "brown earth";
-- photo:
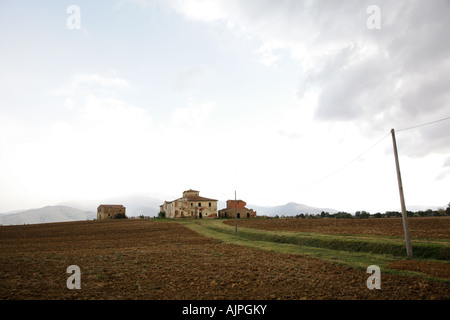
(419, 228)
(432, 268)
(138, 259)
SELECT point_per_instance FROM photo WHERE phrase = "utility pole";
(409, 252)
(235, 214)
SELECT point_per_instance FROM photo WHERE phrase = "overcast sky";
(274, 99)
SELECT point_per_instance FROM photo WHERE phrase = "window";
(192, 204)
(210, 204)
(199, 204)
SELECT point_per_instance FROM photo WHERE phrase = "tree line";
(366, 215)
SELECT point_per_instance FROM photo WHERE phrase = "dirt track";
(136, 259)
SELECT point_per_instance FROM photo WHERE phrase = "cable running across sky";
(422, 125)
(348, 163)
(373, 146)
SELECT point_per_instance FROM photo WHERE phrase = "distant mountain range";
(135, 206)
(46, 215)
(141, 205)
(289, 209)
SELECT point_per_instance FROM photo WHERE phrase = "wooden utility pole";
(235, 214)
(409, 252)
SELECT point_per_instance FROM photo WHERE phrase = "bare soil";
(432, 268)
(138, 259)
(419, 228)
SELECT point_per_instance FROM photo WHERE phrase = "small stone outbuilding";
(110, 211)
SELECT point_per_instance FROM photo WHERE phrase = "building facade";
(236, 207)
(110, 211)
(191, 205)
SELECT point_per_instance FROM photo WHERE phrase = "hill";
(46, 215)
(289, 209)
(136, 205)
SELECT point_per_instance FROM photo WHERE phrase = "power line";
(424, 124)
(348, 163)
(373, 146)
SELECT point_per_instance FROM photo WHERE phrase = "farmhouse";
(237, 207)
(110, 211)
(191, 205)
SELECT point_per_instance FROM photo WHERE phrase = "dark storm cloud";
(392, 77)
(403, 79)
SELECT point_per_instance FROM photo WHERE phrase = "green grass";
(373, 244)
(357, 252)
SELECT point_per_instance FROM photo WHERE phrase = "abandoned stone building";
(236, 207)
(110, 211)
(191, 205)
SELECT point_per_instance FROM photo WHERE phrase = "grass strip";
(358, 260)
(395, 247)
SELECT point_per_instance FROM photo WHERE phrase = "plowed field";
(138, 259)
(419, 228)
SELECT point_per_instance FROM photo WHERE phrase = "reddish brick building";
(239, 204)
(238, 207)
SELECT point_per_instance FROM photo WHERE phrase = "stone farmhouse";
(191, 205)
(110, 211)
(236, 207)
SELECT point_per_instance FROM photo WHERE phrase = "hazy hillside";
(46, 215)
(289, 209)
(140, 205)
(136, 205)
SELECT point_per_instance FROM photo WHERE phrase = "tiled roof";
(195, 198)
(112, 205)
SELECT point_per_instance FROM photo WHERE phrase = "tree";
(120, 216)
(324, 214)
(364, 215)
(343, 215)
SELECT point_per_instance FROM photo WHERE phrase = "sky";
(280, 101)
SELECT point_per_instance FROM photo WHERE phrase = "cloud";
(207, 11)
(192, 115)
(81, 83)
(396, 76)
(188, 77)
(139, 3)
(95, 147)
(445, 170)
(104, 145)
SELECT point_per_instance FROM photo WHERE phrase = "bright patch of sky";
(273, 99)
